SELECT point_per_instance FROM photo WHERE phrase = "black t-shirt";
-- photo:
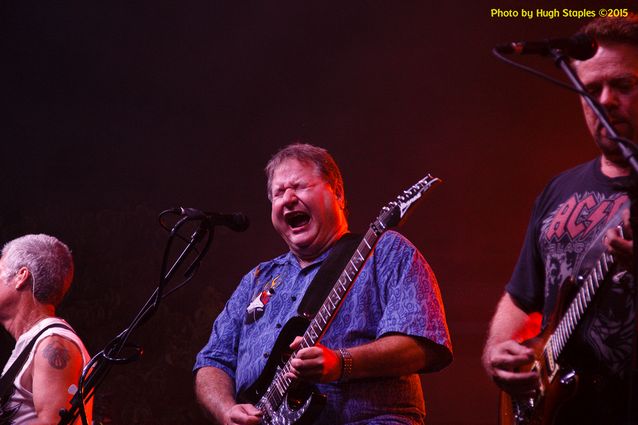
(564, 238)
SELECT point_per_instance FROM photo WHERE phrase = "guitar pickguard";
(295, 409)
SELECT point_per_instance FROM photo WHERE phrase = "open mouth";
(296, 219)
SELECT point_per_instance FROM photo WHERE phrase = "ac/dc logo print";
(581, 214)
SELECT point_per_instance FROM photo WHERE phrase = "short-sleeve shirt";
(564, 238)
(395, 292)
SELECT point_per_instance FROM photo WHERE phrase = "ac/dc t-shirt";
(564, 238)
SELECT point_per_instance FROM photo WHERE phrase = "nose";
(290, 197)
(608, 97)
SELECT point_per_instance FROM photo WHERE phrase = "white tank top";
(20, 409)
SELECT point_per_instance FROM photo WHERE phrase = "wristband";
(346, 364)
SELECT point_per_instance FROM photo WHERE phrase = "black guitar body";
(302, 403)
(284, 401)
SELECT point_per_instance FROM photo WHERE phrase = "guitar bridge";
(523, 409)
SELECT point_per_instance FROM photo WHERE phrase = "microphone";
(580, 46)
(236, 222)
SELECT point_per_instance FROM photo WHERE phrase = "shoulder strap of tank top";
(6, 382)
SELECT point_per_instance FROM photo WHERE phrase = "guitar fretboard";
(276, 392)
(589, 286)
(390, 215)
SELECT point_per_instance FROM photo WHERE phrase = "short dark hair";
(49, 262)
(317, 156)
(622, 30)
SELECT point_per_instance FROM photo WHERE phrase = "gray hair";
(49, 262)
(303, 152)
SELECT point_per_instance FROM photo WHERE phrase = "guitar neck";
(318, 325)
(390, 216)
(324, 315)
(565, 328)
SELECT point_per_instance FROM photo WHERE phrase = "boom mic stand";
(98, 367)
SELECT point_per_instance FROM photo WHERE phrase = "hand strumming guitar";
(315, 364)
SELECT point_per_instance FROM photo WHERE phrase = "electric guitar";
(558, 382)
(281, 400)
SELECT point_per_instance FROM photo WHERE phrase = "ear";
(22, 277)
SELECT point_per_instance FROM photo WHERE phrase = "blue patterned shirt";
(396, 292)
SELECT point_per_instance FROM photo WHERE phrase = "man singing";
(390, 328)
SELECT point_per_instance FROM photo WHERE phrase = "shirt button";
(278, 325)
(265, 355)
(293, 298)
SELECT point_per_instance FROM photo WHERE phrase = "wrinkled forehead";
(612, 60)
(293, 169)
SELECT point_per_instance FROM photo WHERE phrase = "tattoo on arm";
(57, 355)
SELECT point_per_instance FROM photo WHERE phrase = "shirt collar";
(290, 259)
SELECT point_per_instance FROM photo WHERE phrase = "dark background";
(114, 111)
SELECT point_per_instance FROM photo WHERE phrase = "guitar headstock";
(394, 211)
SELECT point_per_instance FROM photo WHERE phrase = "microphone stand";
(629, 152)
(98, 367)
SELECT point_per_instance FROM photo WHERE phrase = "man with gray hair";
(35, 273)
(391, 325)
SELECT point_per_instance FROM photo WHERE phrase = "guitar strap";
(6, 382)
(328, 273)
